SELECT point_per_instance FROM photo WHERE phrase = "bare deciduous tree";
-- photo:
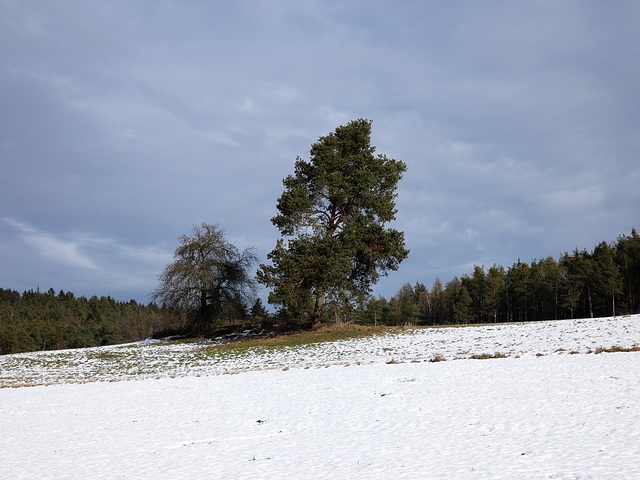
(207, 274)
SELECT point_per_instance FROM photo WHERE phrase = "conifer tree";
(334, 212)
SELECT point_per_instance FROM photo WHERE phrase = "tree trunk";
(613, 303)
(203, 307)
(317, 310)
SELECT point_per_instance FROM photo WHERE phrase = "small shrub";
(616, 349)
(481, 356)
(438, 358)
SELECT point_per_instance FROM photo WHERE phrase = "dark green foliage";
(609, 280)
(495, 288)
(46, 321)
(258, 312)
(582, 284)
(333, 211)
(518, 292)
(413, 307)
(600, 283)
(627, 250)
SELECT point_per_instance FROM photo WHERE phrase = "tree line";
(36, 320)
(599, 283)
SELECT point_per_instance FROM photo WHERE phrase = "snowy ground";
(371, 408)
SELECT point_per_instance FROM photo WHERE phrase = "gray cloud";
(65, 252)
(122, 124)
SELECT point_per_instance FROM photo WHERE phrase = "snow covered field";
(369, 408)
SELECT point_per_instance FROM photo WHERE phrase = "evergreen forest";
(602, 282)
(48, 321)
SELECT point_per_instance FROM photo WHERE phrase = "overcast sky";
(125, 123)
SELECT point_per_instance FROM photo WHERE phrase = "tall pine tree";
(333, 213)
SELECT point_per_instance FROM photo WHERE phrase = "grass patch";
(393, 361)
(437, 358)
(616, 349)
(485, 356)
(106, 356)
(323, 334)
(481, 356)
